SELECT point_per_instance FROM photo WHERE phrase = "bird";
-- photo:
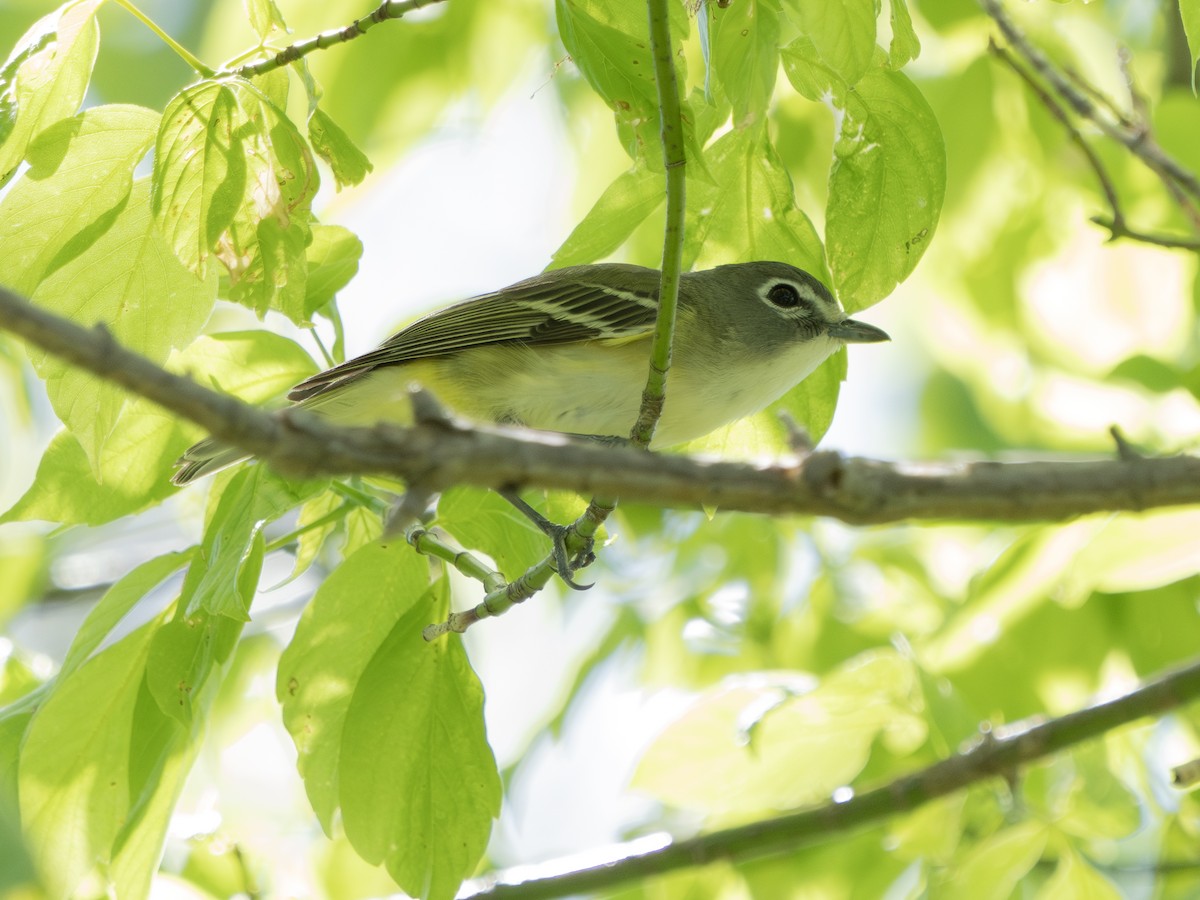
(568, 351)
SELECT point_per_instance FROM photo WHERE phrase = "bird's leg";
(564, 563)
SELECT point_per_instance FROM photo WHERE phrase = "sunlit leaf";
(843, 33)
(745, 56)
(74, 769)
(994, 867)
(264, 16)
(905, 45)
(45, 77)
(624, 205)
(350, 165)
(1190, 11)
(750, 212)
(333, 259)
(885, 189)
(424, 806)
(234, 180)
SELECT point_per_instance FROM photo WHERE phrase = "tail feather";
(204, 458)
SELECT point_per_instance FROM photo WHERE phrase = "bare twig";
(1082, 96)
(1133, 134)
(389, 9)
(1002, 752)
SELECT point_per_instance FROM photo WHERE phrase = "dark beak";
(853, 332)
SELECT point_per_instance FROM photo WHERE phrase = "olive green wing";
(556, 308)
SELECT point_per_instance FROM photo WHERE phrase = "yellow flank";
(589, 387)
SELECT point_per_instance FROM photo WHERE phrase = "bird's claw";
(565, 564)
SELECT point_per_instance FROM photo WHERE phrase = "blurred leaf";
(885, 188)
(1152, 374)
(45, 77)
(745, 57)
(1190, 11)
(842, 33)
(350, 165)
(809, 75)
(75, 765)
(264, 17)
(707, 759)
(996, 865)
(1098, 804)
(1074, 879)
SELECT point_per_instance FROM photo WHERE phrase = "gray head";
(773, 302)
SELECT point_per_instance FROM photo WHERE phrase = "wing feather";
(578, 304)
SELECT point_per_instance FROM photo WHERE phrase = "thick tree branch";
(438, 454)
(998, 752)
(389, 9)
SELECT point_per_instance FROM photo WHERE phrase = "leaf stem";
(182, 52)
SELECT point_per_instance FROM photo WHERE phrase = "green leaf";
(136, 461)
(224, 577)
(116, 603)
(128, 281)
(483, 520)
(995, 866)
(265, 17)
(339, 633)
(626, 202)
(234, 179)
(1190, 12)
(905, 46)
(183, 654)
(45, 77)
(735, 752)
(350, 165)
(746, 56)
(1074, 879)
(885, 188)
(424, 805)
(843, 33)
(80, 176)
(619, 67)
(811, 77)
(750, 212)
(74, 767)
(333, 259)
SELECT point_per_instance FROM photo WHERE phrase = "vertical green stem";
(182, 52)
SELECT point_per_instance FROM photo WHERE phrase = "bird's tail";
(204, 458)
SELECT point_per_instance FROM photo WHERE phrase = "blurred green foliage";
(810, 656)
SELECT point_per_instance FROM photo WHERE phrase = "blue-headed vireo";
(568, 350)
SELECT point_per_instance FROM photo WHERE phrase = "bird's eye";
(784, 295)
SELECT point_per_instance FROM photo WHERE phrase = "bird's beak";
(854, 332)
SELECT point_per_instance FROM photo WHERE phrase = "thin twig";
(390, 9)
(1055, 109)
(1137, 139)
(999, 752)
